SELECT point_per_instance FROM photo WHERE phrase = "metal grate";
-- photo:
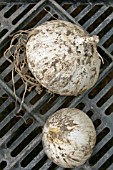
(20, 134)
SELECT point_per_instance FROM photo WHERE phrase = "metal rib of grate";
(20, 143)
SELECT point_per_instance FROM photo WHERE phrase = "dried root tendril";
(17, 51)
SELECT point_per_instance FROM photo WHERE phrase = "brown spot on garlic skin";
(68, 32)
(69, 50)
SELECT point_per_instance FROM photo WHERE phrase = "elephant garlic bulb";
(68, 137)
(63, 58)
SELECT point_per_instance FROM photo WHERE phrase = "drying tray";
(20, 134)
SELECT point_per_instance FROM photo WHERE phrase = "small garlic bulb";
(69, 137)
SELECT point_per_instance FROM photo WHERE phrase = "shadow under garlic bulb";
(68, 137)
(63, 58)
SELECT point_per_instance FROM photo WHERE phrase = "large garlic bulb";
(63, 58)
(69, 137)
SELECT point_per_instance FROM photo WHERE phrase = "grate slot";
(84, 12)
(104, 91)
(34, 153)
(101, 85)
(105, 97)
(1, 7)
(100, 19)
(90, 13)
(108, 42)
(95, 17)
(105, 136)
(103, 159)
(40, 163)
(24, 136)
(102, 24)
(3, 164)
(110, 48)
(23, 129)
(33, 97)
(11, 131)
(68, 7)
(20, 23)
(3, 32)
(46, 165)
(26, 9)
(95, 158)
(109, 110)
(106, 36)
(35, 161)
(11, 11)
(6, 106)
(107, 103)
(102, 134)
(6, 8)
(37, 18)
(74, 11)
(17, 149)
(8, 126)
(107, 163)
(57, 104)
(7, 117)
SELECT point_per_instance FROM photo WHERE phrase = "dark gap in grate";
(96, 123)
(11, 10)
(109, 110)
(90, 14)
(108, 42)
(19, 131)
(37, 18)
(26, 94)
(3, 98)
(3, 164)
(80, 106)
(90, 113)
(54, 17)
(21, 94)
(105, 29)
(102, 134)
(53, 166)
(78, 10)
(67, 102)
(2, 50)
(26, 141)
(66, 6)
(3, 32)
(7, 111)
(48, 104)
(22, 14)
(9, 76)
(10, 124)
(32, 155)
(101, 85)
(100, 19)
(106, 59)
(112, 53)
(105, 97)
(1, 7)
(40, 163)
(36, 97)
(107, 163)
(94, 159)
(18, 84)
(4, 66)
